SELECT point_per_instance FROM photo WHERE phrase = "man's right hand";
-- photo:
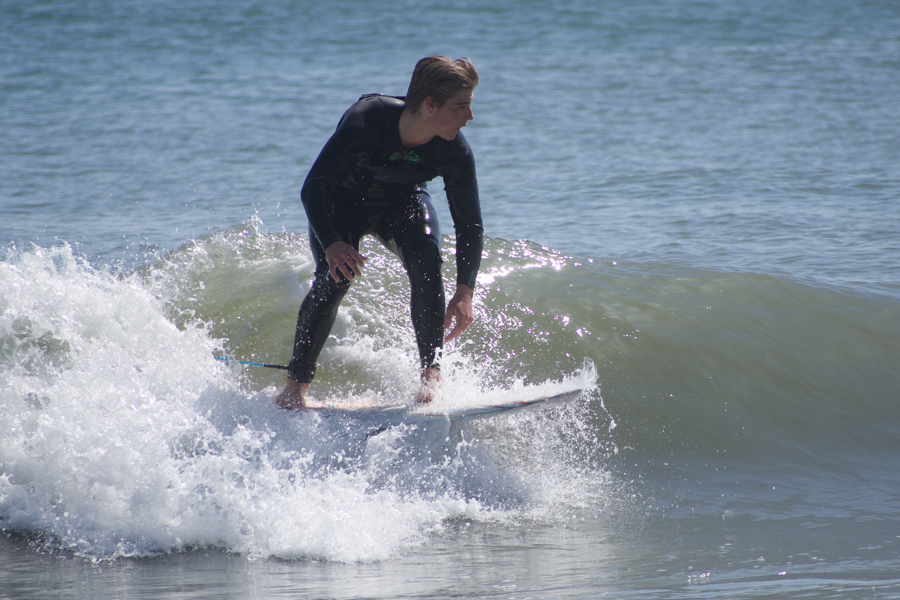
(343, 258)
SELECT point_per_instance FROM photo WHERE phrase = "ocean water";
(693, 214)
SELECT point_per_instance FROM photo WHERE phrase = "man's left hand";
(460, 309)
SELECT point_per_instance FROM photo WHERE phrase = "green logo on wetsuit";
(409, 156)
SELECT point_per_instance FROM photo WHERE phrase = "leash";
(251, 364)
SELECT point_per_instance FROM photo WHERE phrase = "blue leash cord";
(252, 364)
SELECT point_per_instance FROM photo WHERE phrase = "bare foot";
(293, 396)
(431, 386)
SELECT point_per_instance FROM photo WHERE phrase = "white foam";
(123, 437)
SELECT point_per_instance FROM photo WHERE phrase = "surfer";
(370, 179)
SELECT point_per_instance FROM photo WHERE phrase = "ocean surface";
(693, 214)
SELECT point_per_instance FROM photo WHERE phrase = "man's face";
(454, 114)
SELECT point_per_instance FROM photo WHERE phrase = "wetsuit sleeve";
(354, 138)
(461, 187)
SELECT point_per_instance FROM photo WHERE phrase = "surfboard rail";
(494, 409)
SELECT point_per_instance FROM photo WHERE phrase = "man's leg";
(414, 234)
(314, 322)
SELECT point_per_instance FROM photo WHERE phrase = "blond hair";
(440, 78)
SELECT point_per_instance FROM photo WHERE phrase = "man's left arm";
(461, 187)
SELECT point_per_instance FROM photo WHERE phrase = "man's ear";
(430, 105)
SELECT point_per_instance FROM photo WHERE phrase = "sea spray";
(123, 436)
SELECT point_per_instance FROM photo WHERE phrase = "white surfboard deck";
(424, 414)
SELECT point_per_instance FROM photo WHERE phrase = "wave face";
(123, 436)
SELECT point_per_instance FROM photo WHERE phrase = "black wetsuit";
(365, 181)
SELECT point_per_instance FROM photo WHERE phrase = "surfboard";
(471, 412)
(423, 413)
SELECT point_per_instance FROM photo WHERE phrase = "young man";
(370, 178)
